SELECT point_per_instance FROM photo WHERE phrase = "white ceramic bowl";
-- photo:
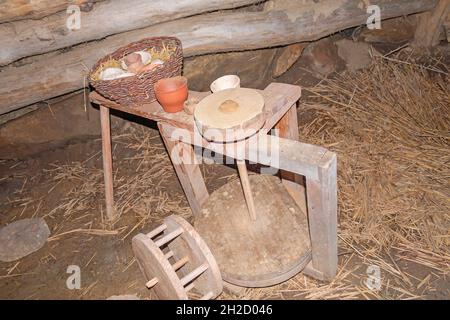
(225, 82)
(111, 73)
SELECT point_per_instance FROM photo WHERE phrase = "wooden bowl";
(225, 82)
(172, 93)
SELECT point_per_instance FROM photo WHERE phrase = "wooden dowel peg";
(194, 274)
(151, 283)
(169, 237)
(243, 174)
(180, 263)
(207, 296)
(189, 287)
(157, 231)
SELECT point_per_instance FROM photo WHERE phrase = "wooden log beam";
(12, 10)
(30, 37)
(53, 74)
(429, 26)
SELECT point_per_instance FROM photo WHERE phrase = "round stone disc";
(21, 238)
(230, 115)
(258, 253)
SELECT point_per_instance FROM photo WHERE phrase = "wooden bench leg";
(294, 183)
(320, 201)
(187, 170)
(107, 162)
(322, 216)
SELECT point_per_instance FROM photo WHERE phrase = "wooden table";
(295, 160)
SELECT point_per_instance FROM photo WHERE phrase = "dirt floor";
(388, 220)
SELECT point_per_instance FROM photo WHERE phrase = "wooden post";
(429, 26)
(319, 200)
(245, 182)
(322, 216)
(107, 162)
(288, 129)
(294, 183)
(189, 174)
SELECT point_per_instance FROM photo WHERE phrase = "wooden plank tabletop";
(278, 97)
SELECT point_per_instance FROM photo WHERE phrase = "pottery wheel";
(230, 115)
(258, 253)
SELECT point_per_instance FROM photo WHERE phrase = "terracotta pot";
(172, 93)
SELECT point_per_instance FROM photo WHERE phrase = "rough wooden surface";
(257, 253)
(189, 244)
(107, 162)
(288, 129)
(171, 267)
(12, 10)
(188, 171)
(246, 188)
(46, 76)
(294, 183)
(322, 215)
(30, 37)
(153, 264)
(429, 26)
(297, 157)
(278, 98)
(230, 115)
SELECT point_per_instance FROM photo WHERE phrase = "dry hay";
(139, 191)
(164, 54)
(389, 126)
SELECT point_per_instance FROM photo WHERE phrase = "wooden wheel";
(193, 266)
(230, 115)
(261, 252)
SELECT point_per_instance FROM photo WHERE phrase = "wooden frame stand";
(297, 162)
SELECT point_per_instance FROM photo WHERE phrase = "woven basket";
(137, 90)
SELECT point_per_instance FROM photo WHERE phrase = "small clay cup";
(172, 93)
